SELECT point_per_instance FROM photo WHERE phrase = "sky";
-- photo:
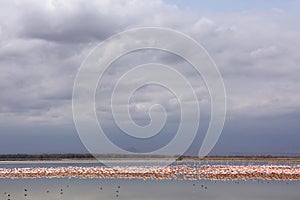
(255, 45)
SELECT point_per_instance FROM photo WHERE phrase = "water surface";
(90, 189)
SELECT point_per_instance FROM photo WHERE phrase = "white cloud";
(270, 51)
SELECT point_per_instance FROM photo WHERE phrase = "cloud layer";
(42, 45)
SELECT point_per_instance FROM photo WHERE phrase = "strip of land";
(82, 157)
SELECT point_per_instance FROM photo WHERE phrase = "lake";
(90, 189)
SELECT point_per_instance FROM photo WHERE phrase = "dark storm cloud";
(81, 23)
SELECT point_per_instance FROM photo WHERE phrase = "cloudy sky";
(255, 44)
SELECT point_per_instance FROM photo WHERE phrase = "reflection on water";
(90, 189)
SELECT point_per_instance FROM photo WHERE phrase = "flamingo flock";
(178, 172)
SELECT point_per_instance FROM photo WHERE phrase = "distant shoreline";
(246, 159)
(89, 157)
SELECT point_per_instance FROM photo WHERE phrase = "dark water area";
(130, 189)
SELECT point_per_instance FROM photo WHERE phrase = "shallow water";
(90, 189)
